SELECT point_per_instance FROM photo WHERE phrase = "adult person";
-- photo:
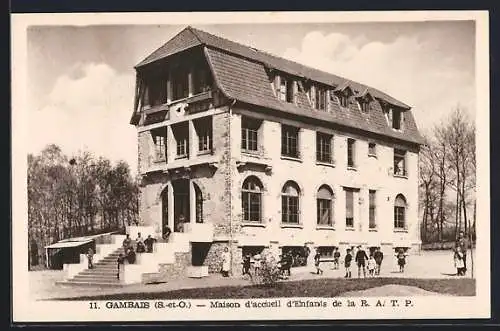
(378, 256)
(140, 248)
(149, 244)
(127, 242)
(462, 244)
(360, 259)
(226, 262)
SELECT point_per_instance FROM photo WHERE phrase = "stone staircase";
(170, 260)
(104, 273)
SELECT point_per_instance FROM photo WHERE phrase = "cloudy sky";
(82, 78)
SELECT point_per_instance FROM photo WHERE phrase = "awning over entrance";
(66, 244)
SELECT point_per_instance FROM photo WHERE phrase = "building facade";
(272, 154)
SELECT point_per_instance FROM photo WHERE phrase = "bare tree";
(65, 197)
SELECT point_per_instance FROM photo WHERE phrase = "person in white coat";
(226, 262)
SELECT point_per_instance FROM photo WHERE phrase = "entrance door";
(181, 203)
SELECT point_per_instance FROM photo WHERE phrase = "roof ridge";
(346, 81)
(194, 31)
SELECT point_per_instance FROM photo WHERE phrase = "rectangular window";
(372, 149)
(342, 100)
(323, 147)
(320, 98)
(160, 145)
(349, 208)
(181, 134)
(249, 134)
(364, 106)
(180, 84)
(203, 129)
(399, 217)
(290, 141)
(350, 153)
(372, 221)
(251, 206)
(324, 212)
(396, 119)
(400, 163)
(290, 209)
(286, 89)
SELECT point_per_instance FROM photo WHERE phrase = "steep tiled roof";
(247, 81)
(240, 72)
(190, 37)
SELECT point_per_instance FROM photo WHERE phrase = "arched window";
(290, 203)
(324, 206)
(400, 212)
(251, 198)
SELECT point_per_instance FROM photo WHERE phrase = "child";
(336, 257)
(120, 261)
(371, 266)
(458, 258)
(317, 262)
(90, 258)
(347, 263)
(246, 265)
(401, 260)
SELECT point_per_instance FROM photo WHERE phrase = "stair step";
(110, 275)
(99, 272)
(90, 284)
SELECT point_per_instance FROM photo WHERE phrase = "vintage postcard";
(250, 166)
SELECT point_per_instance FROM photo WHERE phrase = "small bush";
(269, 272)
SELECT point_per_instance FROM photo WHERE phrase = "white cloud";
(88, 109)
(407, 68)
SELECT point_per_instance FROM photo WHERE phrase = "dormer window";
(320, 98)
(394, 118)
(365, 100)
(342, 99)
(343, 93)
(286, 89)
(364, 106)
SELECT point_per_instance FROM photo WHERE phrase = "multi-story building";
(246, 150)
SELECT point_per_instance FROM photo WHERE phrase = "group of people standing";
(373, 262)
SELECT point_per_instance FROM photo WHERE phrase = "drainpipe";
(231, 192)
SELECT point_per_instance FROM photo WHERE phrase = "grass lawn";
(304, 288)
